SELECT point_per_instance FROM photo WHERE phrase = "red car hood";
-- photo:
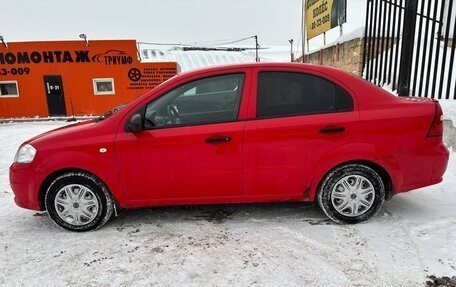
(61, 131)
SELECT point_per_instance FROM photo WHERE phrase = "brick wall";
(346, 56)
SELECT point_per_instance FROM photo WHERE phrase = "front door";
(54, 95)
(190, 146)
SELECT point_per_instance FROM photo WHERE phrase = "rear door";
(299, 117)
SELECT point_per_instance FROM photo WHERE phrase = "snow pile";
(291, 244)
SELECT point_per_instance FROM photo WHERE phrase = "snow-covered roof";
(195, 59)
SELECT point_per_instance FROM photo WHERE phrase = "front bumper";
(25, 181)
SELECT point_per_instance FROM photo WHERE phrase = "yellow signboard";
(323, 15)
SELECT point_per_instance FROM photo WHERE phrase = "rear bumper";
(25, 182)
(426, 165)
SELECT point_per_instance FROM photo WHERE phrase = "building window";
(103, 86)
(9, 89)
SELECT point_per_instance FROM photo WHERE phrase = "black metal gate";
(409, 45)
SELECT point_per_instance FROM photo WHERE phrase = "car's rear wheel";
(79, 201)
(351, 193)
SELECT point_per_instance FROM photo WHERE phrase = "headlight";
(25, 154)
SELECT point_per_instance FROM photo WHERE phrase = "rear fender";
(354, 152)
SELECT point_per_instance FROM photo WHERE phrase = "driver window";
(209, 100)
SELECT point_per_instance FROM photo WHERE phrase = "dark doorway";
(54, 95)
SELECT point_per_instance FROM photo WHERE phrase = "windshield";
(110, 113)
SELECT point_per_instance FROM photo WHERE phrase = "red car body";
(267, 159)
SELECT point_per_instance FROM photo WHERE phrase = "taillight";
(436, 129)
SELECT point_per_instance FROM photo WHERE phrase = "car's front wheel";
(79, 201)
(351, 193)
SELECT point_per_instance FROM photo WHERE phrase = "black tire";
(105, 208)
(332, 178)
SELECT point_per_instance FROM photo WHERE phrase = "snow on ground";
(284, 244)
(449, 110)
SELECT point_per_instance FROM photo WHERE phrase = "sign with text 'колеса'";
(323, 15)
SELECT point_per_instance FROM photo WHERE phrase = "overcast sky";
(164, 21)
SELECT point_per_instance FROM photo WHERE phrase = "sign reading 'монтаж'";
(110, 57)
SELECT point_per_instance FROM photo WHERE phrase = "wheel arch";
(382, 172)
(55, 174)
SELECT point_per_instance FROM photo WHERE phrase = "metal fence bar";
(445, 48)
(417, 60)
(366, 37)
(397, 46)
(414, 53)
(388, 28)
(374, 39)
(453, 48)
(437, 52)
(371, 40)
(425, 44)
(431, 49)
(377, 37)
(408, 37)
(392, 29)
(382, 47)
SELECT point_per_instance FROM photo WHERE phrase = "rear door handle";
(221, 139)
(331, 129)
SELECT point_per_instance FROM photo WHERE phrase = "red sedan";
(232, 134)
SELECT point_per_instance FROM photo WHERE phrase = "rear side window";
(288, 94)
(344, 102)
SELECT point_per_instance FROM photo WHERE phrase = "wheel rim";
(353, 195)
(76, 204)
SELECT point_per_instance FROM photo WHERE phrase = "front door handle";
(218, 139)
(331, 130)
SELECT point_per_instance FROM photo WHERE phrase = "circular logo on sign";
(134, 74)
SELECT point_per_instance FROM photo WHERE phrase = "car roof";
(342, 76)
(263, 65)
(349, 79)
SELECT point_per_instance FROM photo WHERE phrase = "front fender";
(102, 165)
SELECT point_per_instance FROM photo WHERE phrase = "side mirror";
(135, 123)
